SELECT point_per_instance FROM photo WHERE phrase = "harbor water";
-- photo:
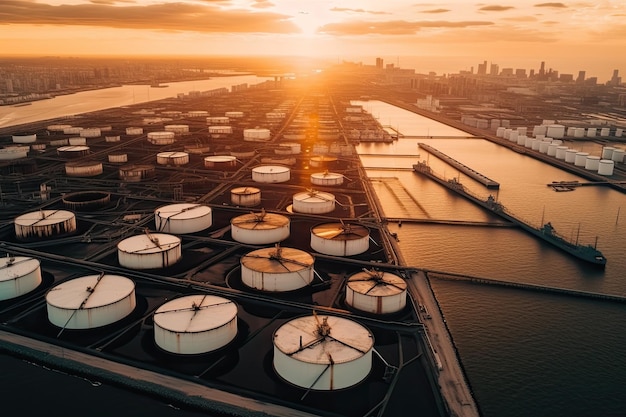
(524, 353)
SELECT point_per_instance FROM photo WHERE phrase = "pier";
(487, 182)
(526, 286)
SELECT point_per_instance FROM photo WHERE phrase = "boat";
(546, 232)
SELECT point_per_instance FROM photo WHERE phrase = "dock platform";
(487, 182)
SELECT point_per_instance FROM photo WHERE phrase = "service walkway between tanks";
(454, 388)
(187, 392)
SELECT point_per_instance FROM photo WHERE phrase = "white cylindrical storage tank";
(607, 152)
(14, 152)
(543, 146)
(376, 292)
(521, 139)
(581, 159)
(112, 139)
(234, 114)
(592, 163)
(260, 228)
(570, 155)
(513, 136)
(522, 130)
(606, 166)
(528, 141)
(579, 132)
(177, 129)
(191, 113)
(220, 162)
(83, 168)
(217, 120)
(539, 130)
(555, 131)
(619, 132)
(72, 130)
(507, 133)
(323, 353)
(542, 138)
(313, 202)
(571, 131)
(322, 161)
(560, 152)
(218, 131)
(134, 131)
(38, 146)
(19, 275)
(256, 135)
(161, 138)
(326, 178)
(591, 132)
(149, 251)
(118, 158)
(136, 173)
(183, 218)
(90, 132)
(195, 324)
(197, 148)
(288, 148)
(245, 196)
(71, 152)
(77, 141)
(618, 155)
(24, 138)
(172, 158)
(494, 124)
(552, 149)
(277, 269)
(59, 128)
(340, 239)
(500, 131)
(271, 173)
(45, 223)
(534, 144)
(91, 301)
(605, 131)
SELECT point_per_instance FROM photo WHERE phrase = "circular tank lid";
(327, 175)
(148, 243)
(44, 217)
(376, 283)
(312, 196)
(17, 267)
(260, 221)
(277, 260)
(323, 339)
(172, 154)
(73, 148)
(195, 313)
(220, 158)
(183, 211)
(340, 231)
(77, 164)
(271, 169)
(90, 291)
(245, 190)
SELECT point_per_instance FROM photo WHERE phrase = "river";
(524, 353)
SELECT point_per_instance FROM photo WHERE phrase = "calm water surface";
(524, 353)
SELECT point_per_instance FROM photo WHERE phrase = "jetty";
(487, 182)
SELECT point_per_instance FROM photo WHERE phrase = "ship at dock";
(585, 252)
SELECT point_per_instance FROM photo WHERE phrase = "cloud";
(395, 27)
(555, 5)
(435, 11)
(262, 4)
(345, 9)
(204, 18)
(496, 8)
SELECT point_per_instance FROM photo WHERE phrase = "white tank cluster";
(19, 275)
(260, 228)
(195, 324)
(313, 202)
(183, 218)
(175, 158)
(271, 173)
(91, 301)
(323, 353)
(44, 224)
(340, 239)
(277, 269)
(245, 196)
(376, 292)
(149, 251)
(256, 135)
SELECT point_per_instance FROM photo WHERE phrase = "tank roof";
(90, 291)
(195, 313)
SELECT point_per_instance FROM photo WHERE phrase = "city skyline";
(571, 36)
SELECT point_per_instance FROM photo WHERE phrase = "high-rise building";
(379, 63)
(495, 69)
(482, 68)
(615, 79)
(581, 77)
(542, 69)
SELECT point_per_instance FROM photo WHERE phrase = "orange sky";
(575, 34)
